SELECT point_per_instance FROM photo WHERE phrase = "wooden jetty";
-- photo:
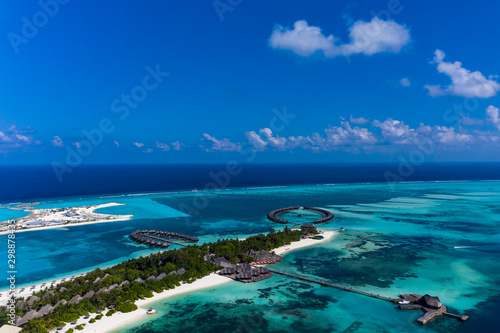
(429, 312)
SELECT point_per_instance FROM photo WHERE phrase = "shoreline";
(117, 320)
(90, 210)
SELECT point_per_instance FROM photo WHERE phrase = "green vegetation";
(126, 290)
(92, 320)
(69, 331)
(127, 307)
(110, 313)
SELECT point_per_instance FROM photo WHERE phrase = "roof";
(33, 299)
(430, 301)
(308, 226)
(10, 329)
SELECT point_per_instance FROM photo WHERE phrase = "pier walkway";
(428, 313)
(328, 284)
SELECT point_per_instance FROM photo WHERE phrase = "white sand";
(117, 320)
(305, 242)
(107, 324)
(87, 211)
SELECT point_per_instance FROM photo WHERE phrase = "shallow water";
(397, 241)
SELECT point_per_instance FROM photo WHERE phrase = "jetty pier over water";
(431, 306)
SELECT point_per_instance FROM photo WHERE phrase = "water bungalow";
(160, 238)
(327, 215)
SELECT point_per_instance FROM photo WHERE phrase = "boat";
(403, 302)
(151, 311)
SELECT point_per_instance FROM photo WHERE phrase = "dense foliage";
(122, 298)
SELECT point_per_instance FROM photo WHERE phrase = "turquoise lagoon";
(399, 239)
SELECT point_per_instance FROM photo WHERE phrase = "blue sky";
(209, 81)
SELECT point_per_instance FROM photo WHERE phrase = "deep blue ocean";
(399, 238)
(34, 182)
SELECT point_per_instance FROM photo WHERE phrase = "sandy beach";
(85, 211)
(109, 324)
(117, 320)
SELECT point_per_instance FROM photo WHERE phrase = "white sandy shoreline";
(90, 210)
(117, 320)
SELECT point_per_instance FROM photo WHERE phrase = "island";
(57, 217)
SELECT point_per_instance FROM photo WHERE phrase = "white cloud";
(358, 121)
(117, 144)
(57, 142)
(348, 135)
(303, 39)
(148, 150)
(376, 36)
(405, 82)
(273, 140)
(138, 144)
(470, 121)
(162, 146)
(13, 138)
(177, 145)
(492, 116)
(255, 140)
(463, 82)
(448, 135)
(221, 145)
(367, 38)
(395, 131)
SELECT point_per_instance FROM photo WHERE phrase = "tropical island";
(120, 288)
(39, 219)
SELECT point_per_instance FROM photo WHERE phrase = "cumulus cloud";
(492, 116)
(358, 121)
(470, 121)
(366, 38)
(348, 135)
(405, 82)
(395, 131)
(162, 146)
(274, 141)
(387, 135)
(220, 145)
(57, 142)
(138, 144)
(177, 145)
(117, 144)
(463, 82)
(448, 135)
(148, 150)
(255, 140)
(12, 138)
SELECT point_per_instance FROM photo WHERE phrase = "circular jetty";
(327, 215)
(160, 238)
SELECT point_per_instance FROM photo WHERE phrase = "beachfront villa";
(243, 272)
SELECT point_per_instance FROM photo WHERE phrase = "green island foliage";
(127, 307)
(124, 275)
(69, 331)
